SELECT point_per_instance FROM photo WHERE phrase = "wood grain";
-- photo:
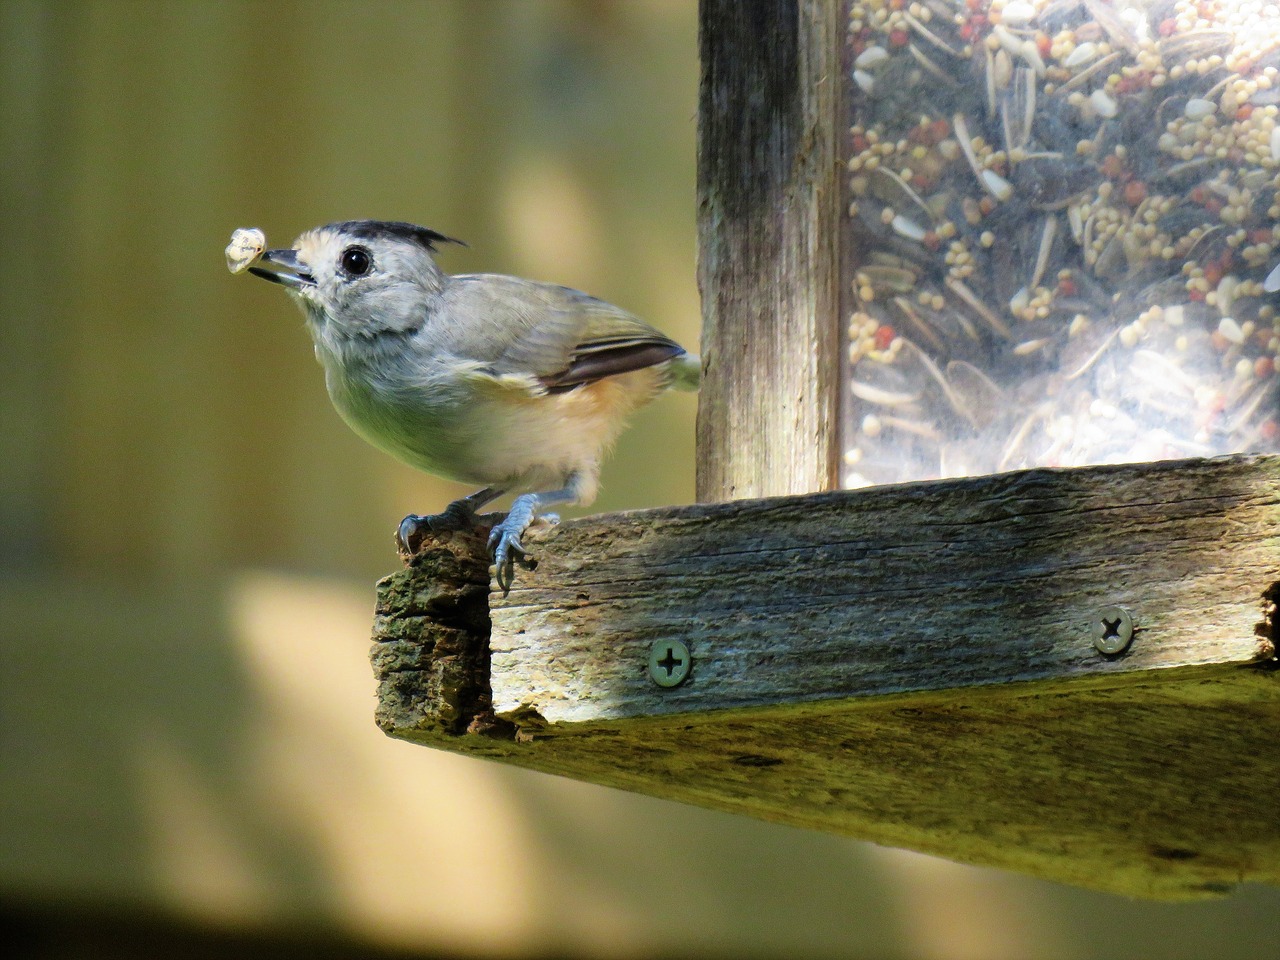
(769, 189)
(912, 665)
(926, 586)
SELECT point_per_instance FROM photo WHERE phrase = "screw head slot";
(1112, 630)
(669, 663)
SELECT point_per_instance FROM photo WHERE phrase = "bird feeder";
(1063, 234)
(1022, 254)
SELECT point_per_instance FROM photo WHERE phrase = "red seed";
(1134, 82)
(1112, 166)
(931, 240)
(1067, 287)
(884, 336)
(1134, 192)
(1212, 273)
(940, 129)
(898, 38)
(973, 26)
(1263, 367)
(1043, 44)
(1196, 295)
(1244, 112)
(1269, 431)
(1168, 27)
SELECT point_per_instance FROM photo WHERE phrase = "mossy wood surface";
(912, 665)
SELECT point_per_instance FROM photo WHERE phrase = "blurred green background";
(189, 535)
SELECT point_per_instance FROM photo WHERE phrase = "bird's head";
(359, 278)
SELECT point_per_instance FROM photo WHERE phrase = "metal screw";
(1112, 630)
(669, 663)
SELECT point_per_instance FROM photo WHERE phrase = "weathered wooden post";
(1067, 672)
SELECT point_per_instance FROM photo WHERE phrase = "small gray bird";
(511, 384)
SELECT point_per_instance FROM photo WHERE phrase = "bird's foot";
(415, 528)
(504, 540)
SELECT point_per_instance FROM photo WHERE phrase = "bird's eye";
(355, 261)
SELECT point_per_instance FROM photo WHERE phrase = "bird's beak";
(283, 267)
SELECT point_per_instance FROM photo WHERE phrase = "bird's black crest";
(382, 229)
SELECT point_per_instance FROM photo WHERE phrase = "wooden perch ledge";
(916, 665)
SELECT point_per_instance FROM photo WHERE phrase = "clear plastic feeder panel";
(1064, 234)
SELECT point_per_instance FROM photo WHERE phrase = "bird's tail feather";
(686, 371)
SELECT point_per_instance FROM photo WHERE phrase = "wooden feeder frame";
(1070, 673)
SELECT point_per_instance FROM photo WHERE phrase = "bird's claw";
(507, 550)
(414, 528)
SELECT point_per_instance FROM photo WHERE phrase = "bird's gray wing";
(554, 336)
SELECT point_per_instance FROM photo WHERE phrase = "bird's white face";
(359, 279)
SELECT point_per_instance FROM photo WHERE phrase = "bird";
(513, 385)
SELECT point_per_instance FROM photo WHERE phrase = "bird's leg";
(504, 539)
(459, 515)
